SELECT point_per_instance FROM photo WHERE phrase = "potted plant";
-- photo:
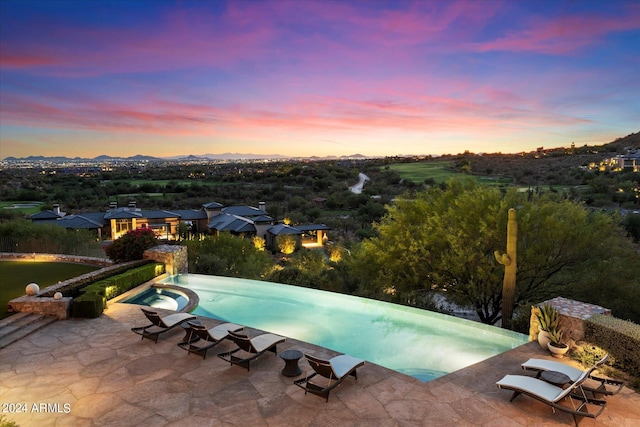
(556, 346)
(548, 318)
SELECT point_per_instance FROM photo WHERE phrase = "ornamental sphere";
(32, 289)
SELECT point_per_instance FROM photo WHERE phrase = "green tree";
(445, 240)
(227, 255)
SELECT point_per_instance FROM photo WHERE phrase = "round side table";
(291, 368)
(555, 378)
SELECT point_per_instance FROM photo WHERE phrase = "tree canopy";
(444, 240)
(227, 255)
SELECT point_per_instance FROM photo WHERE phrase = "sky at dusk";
(303, 77)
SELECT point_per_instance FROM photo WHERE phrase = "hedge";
(73, 287)
(93, 298)
(620, 338)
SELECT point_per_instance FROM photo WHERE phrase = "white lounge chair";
(255, 347)
(542, 365)
(200, 339)
(160, 325)
(335, 370)
(552, 395)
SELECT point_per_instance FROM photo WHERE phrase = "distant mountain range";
(190, 157)
(619, 145)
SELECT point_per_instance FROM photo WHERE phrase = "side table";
(555, 378)
(291, 368)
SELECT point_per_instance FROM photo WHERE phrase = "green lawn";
(437, 170)
(16, 275)
(15, 205)
(418, 172)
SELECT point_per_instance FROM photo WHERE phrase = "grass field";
(437, 170)
(28, 208)
(18, 274)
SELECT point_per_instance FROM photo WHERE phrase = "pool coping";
(193, 298)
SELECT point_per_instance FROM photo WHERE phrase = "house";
(629, 161)
(212, 218)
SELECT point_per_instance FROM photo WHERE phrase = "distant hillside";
(558, 166)
(620, 144)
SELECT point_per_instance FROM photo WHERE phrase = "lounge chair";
(335, 370)
(255, 347)
(552, 395)
(160, 325)
(200, 339)
(542, 365)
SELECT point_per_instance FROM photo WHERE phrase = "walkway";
(96, 372)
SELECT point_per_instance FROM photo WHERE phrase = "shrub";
(132, 245)
(620, 338)
(5, 422)
(93, 300)
(88, 305)
(286, 243)
(588, 354)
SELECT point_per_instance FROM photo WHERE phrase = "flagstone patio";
(96, 372)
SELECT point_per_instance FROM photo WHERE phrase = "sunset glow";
(302, 78)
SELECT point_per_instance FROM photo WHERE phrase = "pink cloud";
(562, 35)
(254, 32)
(180, 41)
(18, 60)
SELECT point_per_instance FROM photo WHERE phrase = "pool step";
(20, 325)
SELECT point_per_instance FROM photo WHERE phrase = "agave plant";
(556, 337)
(548, 318)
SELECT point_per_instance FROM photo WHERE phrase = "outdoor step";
(20, 325)
(13, 318)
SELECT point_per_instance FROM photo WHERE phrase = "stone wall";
(172, 256)
(42, 305)
(48, 305)
(572, 316)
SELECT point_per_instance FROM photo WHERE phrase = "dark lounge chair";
(254, 347)
(200, 339)
(335, 370)
(160, 325)
(600, 386)
(553, 395)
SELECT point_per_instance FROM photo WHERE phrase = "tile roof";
(248, 211)
(226, 222)
(281, 229)
(46, 215)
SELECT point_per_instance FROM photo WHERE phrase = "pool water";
(160, 298)
(420, 343)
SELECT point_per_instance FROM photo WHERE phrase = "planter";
(558, 350)
(544, 339)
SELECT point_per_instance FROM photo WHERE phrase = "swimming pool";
(160, 298)
(420, 343)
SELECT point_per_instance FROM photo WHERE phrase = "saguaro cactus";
(509, 261)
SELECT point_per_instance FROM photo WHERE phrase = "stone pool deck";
(96, 372)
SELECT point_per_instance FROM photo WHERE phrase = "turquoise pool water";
(419, 343)
(159, 298)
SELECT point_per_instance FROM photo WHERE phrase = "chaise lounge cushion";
(263, 342)
(174, 319)
(539, 388)
(343, 364)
